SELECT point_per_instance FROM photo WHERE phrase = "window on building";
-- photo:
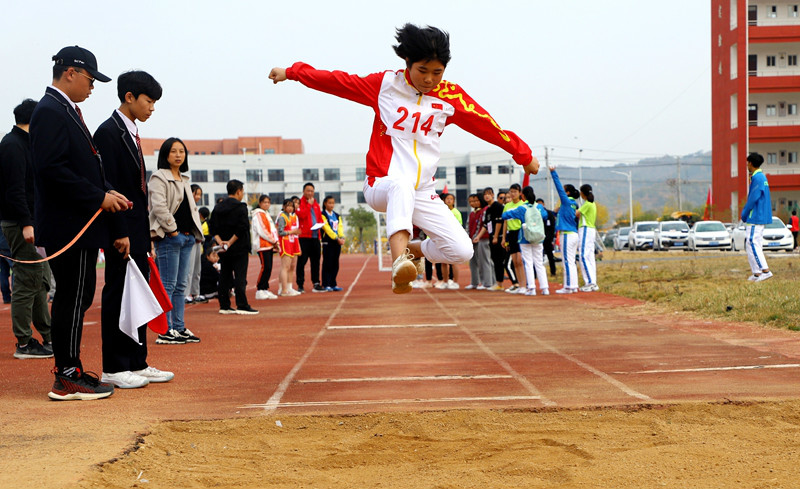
(793, 11)
(331, 174)
(733, 13)
(202, 152)
(269, 151)
(213, 152)
(277, 198)
(218, 197)
(504, 169)
(360, 198)
(791, 60)
(199, 176)
(222, 175)
(734, 61)
(310, 174)
(792, 156)
(255, 175)
(337, 197)
(772, 158)
(734, 160)
(771, 110)
(772, 11)
(275, 175)
(361, 174)
(461, 175)
(441, 173)
(462, 198)
(203, 200)
(483, 170)
(792, 108)
(771, 60)
(734, 111)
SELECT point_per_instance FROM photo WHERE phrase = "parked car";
(776, 236)
(671, 235)
(709, 235)
(608, 237)
(641, 235)
(621, 239)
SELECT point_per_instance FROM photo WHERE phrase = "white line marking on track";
(275, 399)
(483, 346)
(395, 401)
(616, 383)
(407, 379)
(712, 369)
(390, 326)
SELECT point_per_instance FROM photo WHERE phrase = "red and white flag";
(444, 191)
(707, 210)
(159, 324)
(139, 305)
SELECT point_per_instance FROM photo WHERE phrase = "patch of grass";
(711, 285)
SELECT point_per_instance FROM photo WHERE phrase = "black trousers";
(76, 277)
(330, 262)
(499, 257)
(266, 269)
(120, 352)
(233, 274)
(311, 252)
(548, 252)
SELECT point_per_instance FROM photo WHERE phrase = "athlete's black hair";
(571, 191)
(755, 159)
(515, 186)
(163, 153)
(203, 211)
(234, 186)
(138, 83)
(586, 190)
(24, 111)
(416, 43)
(529, 195)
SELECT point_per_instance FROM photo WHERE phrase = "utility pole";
(630, 192)
(680, 196)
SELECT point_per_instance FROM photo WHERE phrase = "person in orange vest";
(265, 235)
(288, 246)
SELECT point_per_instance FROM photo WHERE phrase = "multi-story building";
(259, 145)
(755, 97)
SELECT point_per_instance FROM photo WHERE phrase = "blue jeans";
(174, 259)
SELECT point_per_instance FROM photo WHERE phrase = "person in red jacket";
(310, 217)
(412, 106)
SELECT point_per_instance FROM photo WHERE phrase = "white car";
(621, 239)
(641, 235)
(671, 235)
(709, 235)
(776, 236)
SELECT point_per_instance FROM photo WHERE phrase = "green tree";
(359, 220)
(602, 216)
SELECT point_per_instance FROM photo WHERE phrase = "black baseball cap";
(80, 58)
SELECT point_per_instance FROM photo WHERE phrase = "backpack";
(533, 227)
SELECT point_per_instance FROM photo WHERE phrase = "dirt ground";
(752, 445)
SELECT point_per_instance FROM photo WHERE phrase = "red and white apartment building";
(755, 97)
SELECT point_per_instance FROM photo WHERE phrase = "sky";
(600, 81)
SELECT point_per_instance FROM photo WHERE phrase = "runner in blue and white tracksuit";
(756, 213)
(567, 227)
(532, 254)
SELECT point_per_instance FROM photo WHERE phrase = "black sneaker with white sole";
(79, 385)
(33, 350)
(246, 311)
(188, 336)
(172, 337)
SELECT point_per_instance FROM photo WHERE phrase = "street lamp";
(630, 192)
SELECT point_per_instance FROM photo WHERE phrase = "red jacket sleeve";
(363, 90)
(476, 120)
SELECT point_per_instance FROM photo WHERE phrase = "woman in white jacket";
(265, 235)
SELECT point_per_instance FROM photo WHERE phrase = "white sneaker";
(453, 285)
(545, 292)
(155, 375)
(271, 296)
(564, 290)
(261, 295)
(589, 288)
(481, 287)
(404, 271)
(470, 287)
(764, 276)
(530, 292)
(512, 289)
(752, 278)
(440, 285)
(125, 380)
(521, 290)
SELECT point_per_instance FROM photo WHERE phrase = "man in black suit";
(70, 188)
(124, 360)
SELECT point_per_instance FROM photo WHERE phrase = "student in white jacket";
(265, 235)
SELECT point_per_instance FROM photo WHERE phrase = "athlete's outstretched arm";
(363, 90)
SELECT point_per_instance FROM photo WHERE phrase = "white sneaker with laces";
(125, 380)
(404, 271)
(261, 295)
(752, 278)
(453, 285)
(530, 292)
(481, 287)
(764, 276)
(512, 289)
(545, 292)
(470, 287)
(155, 375)
(564, 290)
(440, 285)
(589, 288)
(521, 290)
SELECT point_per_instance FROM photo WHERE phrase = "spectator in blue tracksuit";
(756, 213)
(532, 253)
(567, 227)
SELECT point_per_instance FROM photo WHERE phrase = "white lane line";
(503, 364)
(406, 379)
(275, 399)
(712, 369)
(390, 326)
(396, 401)
(619, 385)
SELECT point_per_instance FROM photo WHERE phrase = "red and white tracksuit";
(404, 149)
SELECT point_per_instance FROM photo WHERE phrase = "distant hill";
(654, 183)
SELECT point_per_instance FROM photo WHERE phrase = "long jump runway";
(366, 349)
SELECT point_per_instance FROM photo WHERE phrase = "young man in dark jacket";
(31, 280)
(230, 227)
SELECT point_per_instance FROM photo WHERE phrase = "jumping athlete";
(412, 107)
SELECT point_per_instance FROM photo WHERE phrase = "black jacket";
(231, 217)
(122, 170)
(16, 178)
(68, 174)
